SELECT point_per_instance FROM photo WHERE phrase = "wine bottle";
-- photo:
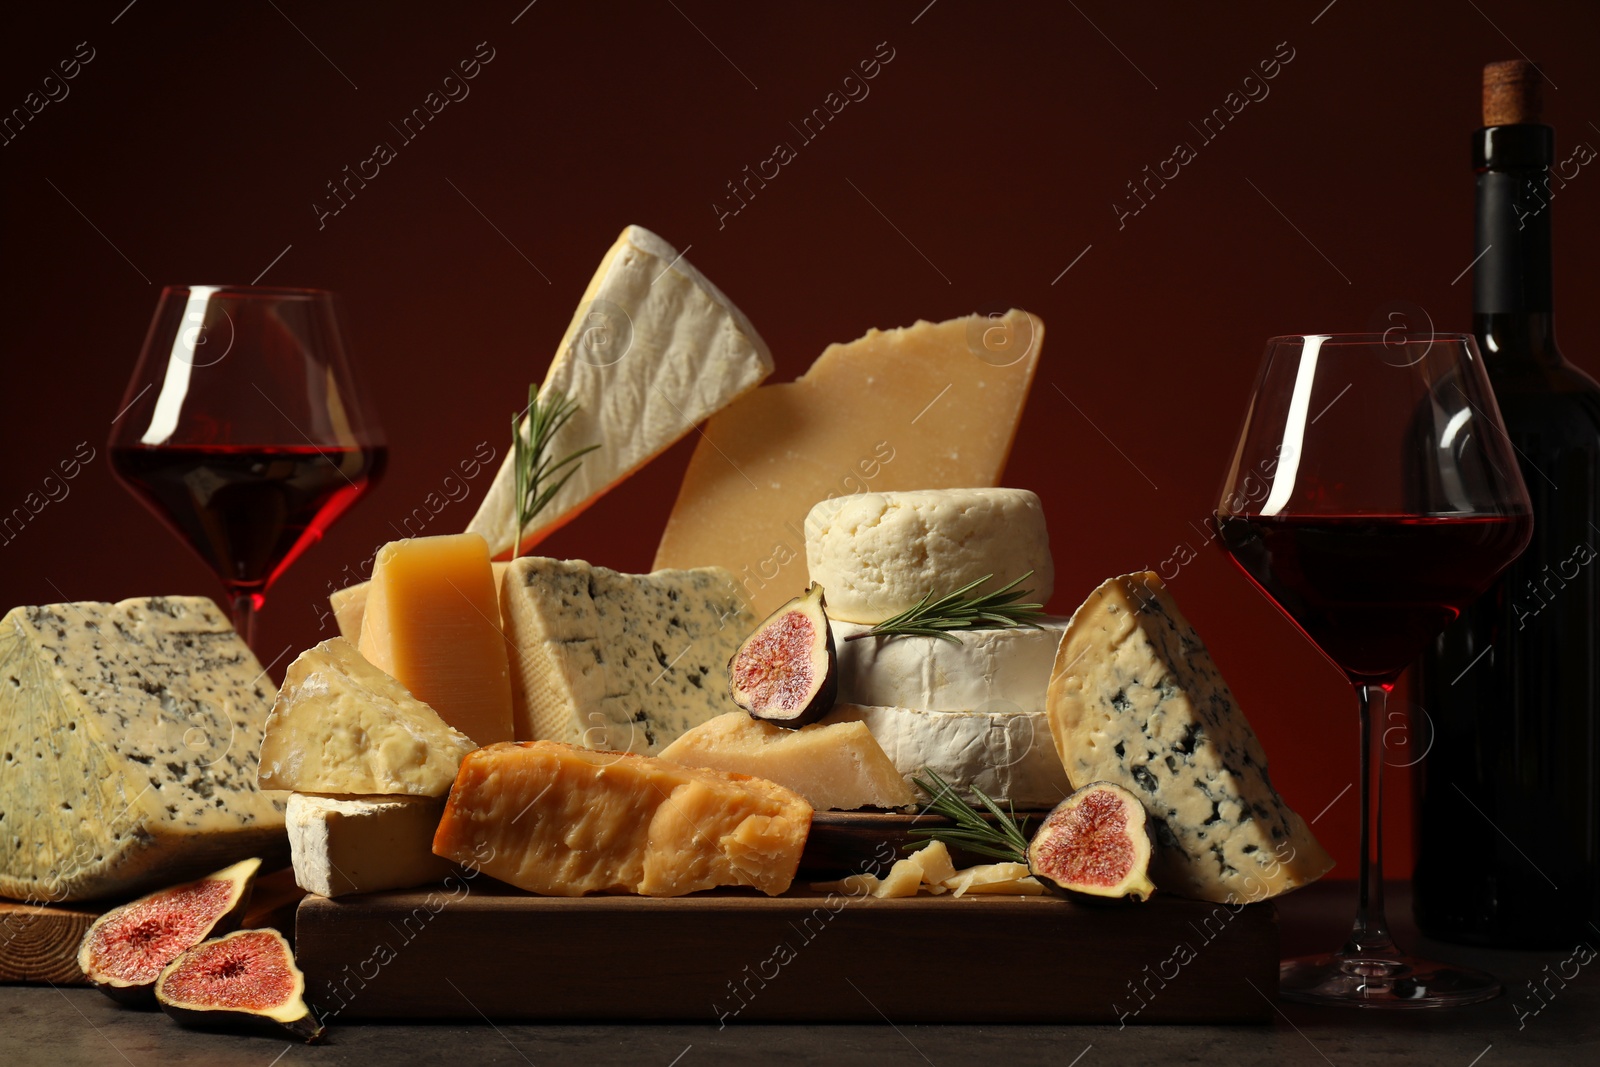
(1508, 795)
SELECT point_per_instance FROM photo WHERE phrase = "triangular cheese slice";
(653, 349)
(930, 406)
(837, 766)
(342, 726)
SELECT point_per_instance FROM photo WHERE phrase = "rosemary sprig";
(1002, 839)
(958, 611)
(532, 466)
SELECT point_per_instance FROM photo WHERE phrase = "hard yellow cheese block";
(433, 622)
(930, 406)
(350, 603)
(342, 726)
(564, 821)
(836, 767)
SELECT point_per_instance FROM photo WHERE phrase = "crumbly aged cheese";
(836, 767)
(433, 621)
(1136, 700)
(929, 869)
(565, 821)
(345, 845)
(340, 725)
(878, 554)
(1005, 668)
(128, 740)
(653, 349)
(931, 406)
(348, 605)
(998, 748)
(995, 878)
(618, 661)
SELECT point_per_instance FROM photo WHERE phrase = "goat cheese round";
(1011, 665)
(999, 748)
(878, 554)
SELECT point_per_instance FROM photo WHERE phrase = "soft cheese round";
(1004, 751)
(1011, 665)
(877, 554)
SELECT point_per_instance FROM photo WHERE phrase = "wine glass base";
(1382, 982)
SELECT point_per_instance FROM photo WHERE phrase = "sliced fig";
(245, 979)
(125, 949)
(1094, 846)
(787, 671)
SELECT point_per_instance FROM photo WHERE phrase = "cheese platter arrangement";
(833, 729)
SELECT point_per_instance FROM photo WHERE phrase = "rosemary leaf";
(1000, 609)
(1003, 839)
(533, 468)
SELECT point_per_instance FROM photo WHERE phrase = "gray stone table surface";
(80, 1026)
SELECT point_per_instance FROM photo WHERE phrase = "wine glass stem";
(244, 617)
(1370, 935)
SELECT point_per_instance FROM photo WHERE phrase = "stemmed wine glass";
(244, 431)
(1373, 494)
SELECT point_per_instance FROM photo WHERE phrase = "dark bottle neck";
(1511, 290)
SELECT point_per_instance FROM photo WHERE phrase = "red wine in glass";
(1373, 495)
(244, 430)
(1371, 590)
(248, 510)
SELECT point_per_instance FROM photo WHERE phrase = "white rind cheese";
(999, 749)
(627, 662)
(1011, 665)
(653, 350)
(878, 554)
(344, 845)
(1136, 700)
(128, 737)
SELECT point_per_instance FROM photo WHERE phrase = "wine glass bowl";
(243, 429)
(1373, 494)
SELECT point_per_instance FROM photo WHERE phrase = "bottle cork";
(1512, 93)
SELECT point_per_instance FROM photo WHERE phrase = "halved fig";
(787, 671)
(245, 979)
(125, 949)
(1094, 846)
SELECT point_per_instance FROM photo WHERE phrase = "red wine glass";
(244, 430)
(1374, 494)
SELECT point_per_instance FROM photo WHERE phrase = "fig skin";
(1134, 884)
(291, 1013)
(240, 875)
(825, 690)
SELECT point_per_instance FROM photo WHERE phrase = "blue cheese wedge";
(128, 736)
(1135, 699)
(628, 662)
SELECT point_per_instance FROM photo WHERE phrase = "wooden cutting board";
(471, 951)
(40, 944)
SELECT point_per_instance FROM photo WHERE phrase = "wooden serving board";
(474, 952)
(39, 944)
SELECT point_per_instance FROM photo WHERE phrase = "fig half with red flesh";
(125, 949)
(787, 671)
(1094, 846)
(245, 979)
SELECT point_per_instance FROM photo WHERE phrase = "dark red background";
(996, 141)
